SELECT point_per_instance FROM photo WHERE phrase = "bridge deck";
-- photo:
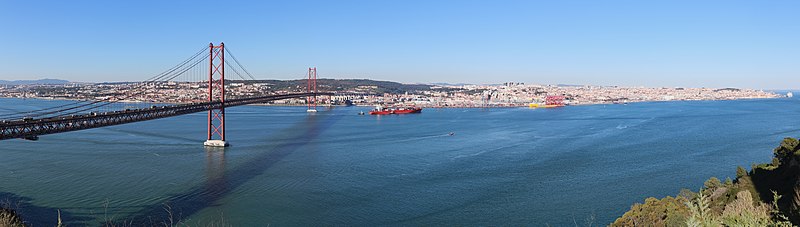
(33, 128)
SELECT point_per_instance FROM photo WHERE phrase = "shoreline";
(439, 107)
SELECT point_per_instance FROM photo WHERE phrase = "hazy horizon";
(740, 44)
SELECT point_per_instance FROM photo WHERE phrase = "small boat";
(379, 110)
(361, 113)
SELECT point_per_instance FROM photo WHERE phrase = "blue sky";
(751, 44)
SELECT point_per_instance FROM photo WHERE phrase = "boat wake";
(489, 150)
(426, 137)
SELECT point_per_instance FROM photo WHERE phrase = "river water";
(514, 166)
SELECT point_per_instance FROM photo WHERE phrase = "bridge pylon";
(312, 88)
(216, 93)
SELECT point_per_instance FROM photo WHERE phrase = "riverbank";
(520, 105)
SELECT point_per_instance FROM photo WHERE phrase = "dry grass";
(9, 218)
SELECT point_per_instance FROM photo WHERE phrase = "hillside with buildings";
(372, 92)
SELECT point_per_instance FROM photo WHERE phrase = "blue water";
(514, 166)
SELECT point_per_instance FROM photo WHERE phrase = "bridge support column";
(216, 93)
(215, 143)
(312, 88)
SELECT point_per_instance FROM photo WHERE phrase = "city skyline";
(676, 44)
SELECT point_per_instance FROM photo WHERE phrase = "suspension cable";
(108, 101)
(237, 62)
(37, 113)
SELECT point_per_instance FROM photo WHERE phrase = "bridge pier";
(215, 143)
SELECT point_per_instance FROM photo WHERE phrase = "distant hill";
(359, 85)
(365, 85)
(26, 82)
(451, 84)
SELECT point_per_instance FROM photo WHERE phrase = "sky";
(657, 43)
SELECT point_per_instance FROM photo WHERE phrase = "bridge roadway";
(32, 128)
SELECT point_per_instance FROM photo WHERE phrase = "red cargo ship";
(394, 110)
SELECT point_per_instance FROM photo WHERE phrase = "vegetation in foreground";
(768, 195)
(9, 218)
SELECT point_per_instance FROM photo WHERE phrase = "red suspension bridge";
(116, 109)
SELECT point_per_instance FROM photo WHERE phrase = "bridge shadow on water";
(221, 181)
(143, 133)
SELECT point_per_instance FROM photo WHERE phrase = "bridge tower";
(312, 88)
(216, 93)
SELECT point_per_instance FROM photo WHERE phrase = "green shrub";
(668, 211)
(740, 172)
(712, 183)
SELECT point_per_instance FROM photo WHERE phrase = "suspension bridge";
(134, 102)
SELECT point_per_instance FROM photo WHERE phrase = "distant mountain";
(27, 82)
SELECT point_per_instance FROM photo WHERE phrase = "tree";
(740, 172)
(787, 148)
(712, 182)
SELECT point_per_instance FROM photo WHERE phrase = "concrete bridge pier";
(215, 143)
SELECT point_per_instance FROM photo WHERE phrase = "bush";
(742, 212)
(740, 172)
(787, 148)
(712, 183)
(668, 211)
